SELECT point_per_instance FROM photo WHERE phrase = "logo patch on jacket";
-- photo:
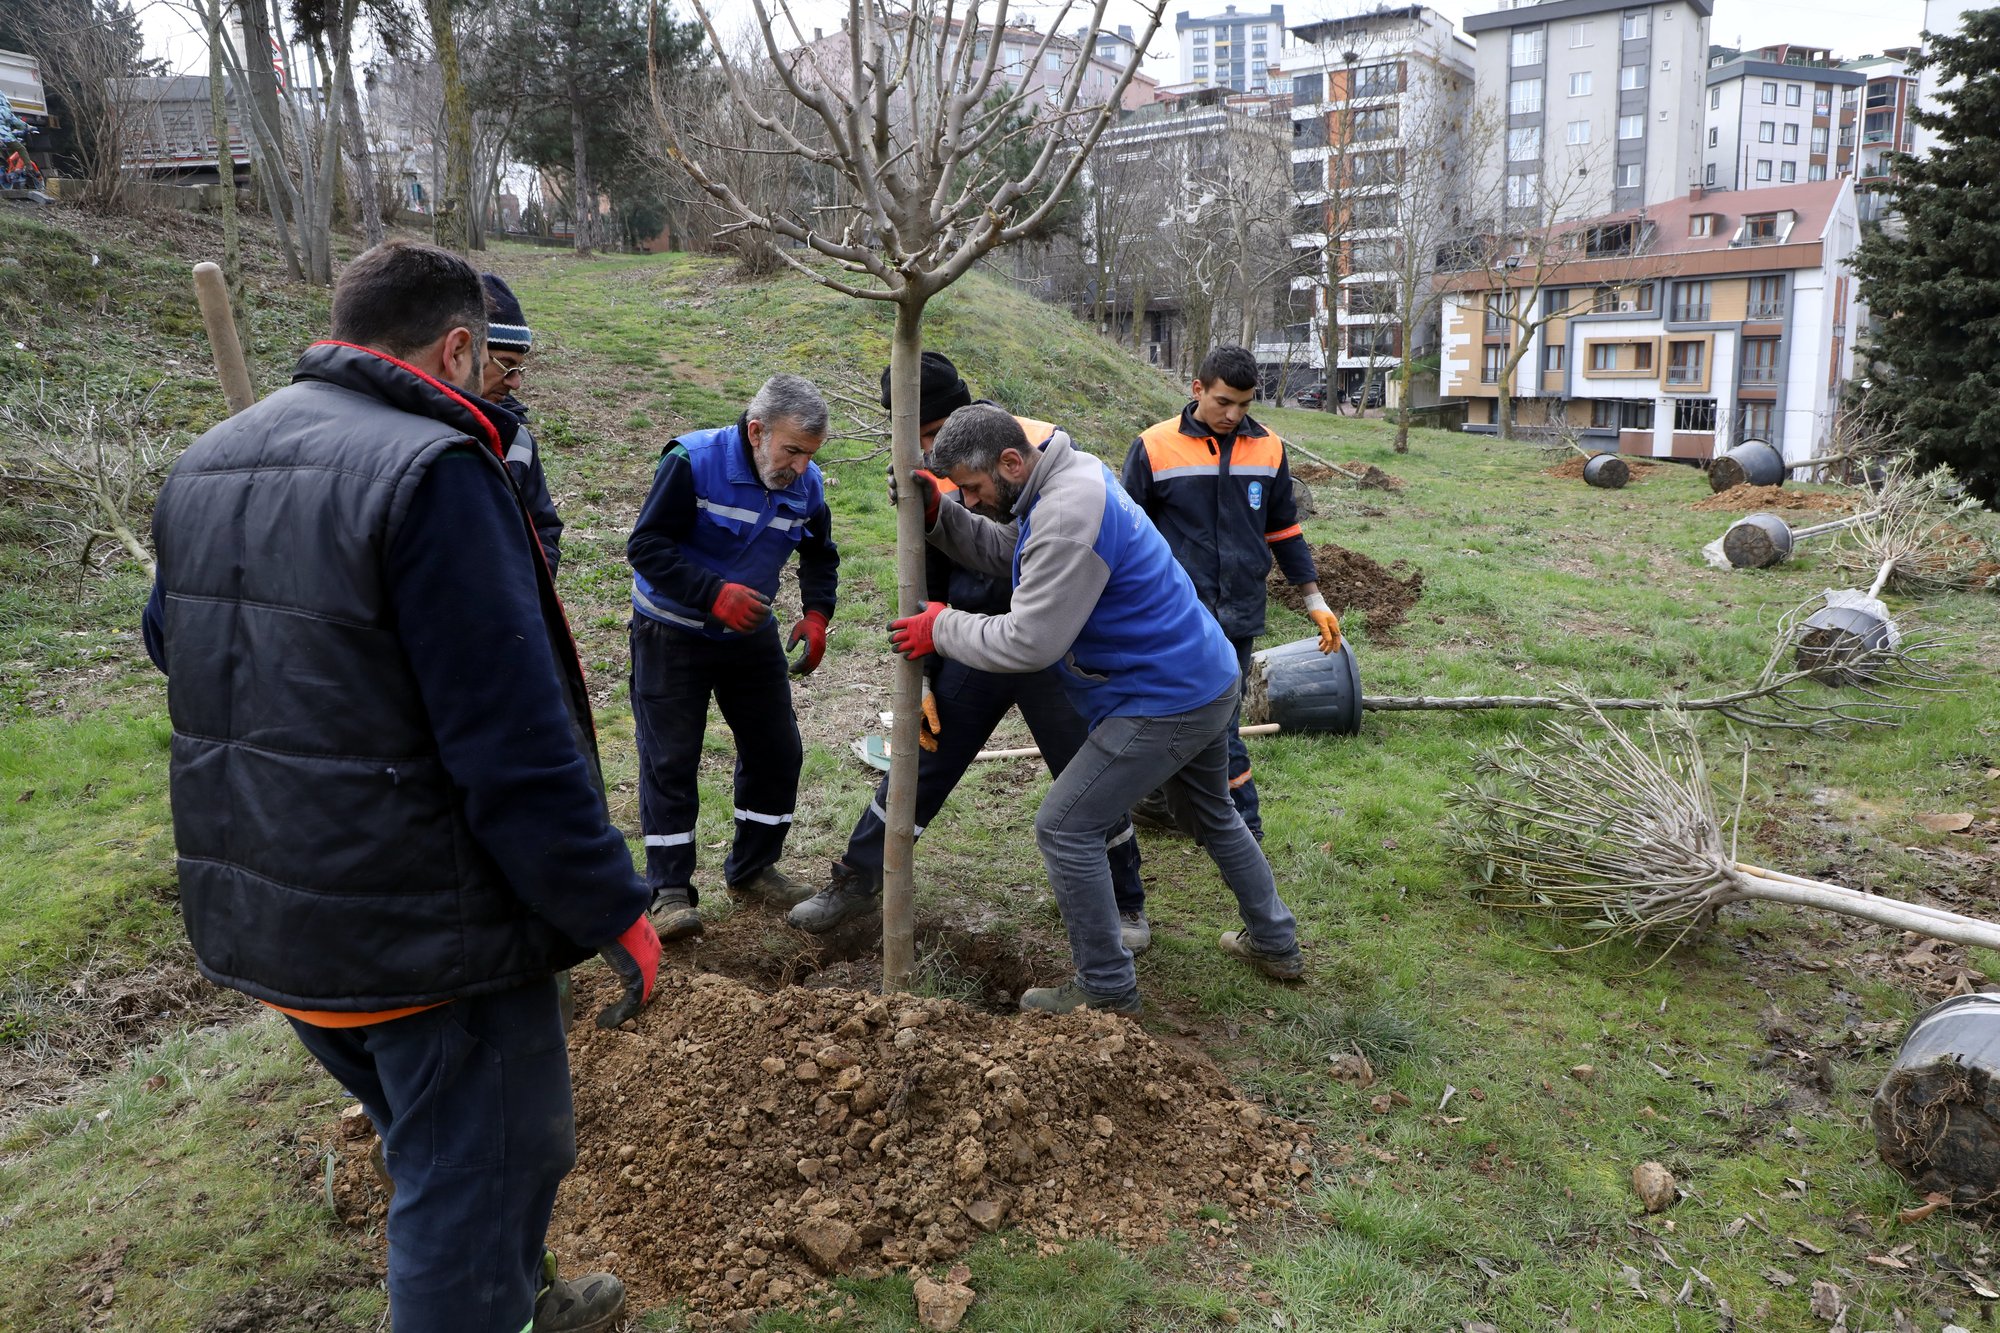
(1256, 495)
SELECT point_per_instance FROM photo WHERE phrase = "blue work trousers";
(1242, 789)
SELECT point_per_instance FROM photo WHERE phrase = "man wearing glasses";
(508, 339)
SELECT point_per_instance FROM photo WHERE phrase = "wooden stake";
(213, 293)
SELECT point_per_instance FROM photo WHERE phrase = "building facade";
(1677, 331)
(1888, 97)
(1778, 116)
(1360, 87)
(1943, 18)
(1595, 106)
(1230, 49)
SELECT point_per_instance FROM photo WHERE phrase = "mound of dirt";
(1770, 499)
(1350, 581)
(1571, 469)
(736, 1149)
(1365, 475)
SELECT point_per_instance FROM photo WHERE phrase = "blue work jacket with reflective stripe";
(742, 531)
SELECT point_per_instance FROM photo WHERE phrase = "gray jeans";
(1123, 759)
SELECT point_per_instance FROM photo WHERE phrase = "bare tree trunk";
(262, 78)
(583, 198)
(329, 145)
(364, 167)
(225, 166)
(899, 947)
(452, 224)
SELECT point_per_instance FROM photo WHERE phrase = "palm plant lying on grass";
(1623, 835)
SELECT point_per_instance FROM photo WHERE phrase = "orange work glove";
(1325, 621)
(928, 733)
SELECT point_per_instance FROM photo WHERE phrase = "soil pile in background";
(1365, 475)
(1571, 469)
(737, 1148)
(1772, 499)
(1350, 581)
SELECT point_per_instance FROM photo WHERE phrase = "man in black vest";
(387, 807)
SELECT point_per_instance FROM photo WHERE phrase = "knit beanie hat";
(940, 391)
(506, 327)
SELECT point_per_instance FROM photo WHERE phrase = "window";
(1201, 71)
(1524, 96)
(1642, 296)
(1631, 127)
(1609, 413)
(1604, 356)
(1496, 361)
(1708, 175)
(1715, 99)
(1497, 322)
(1791, 134)
(1257, 51)
(1524, 190)
(1375, 81)
(1770, 94)
(1372, 124)
(1690, 301)
(1701, 224)
(1052, 62)
(1760, 360)
(1637, 27)
(1308, 89)
(1259, 31)
(1822, 101)
(1753, 421)
(1373, 256)
(1529, 46)
(1788, 171)
(1849, 98)
(1792, 93)
(1309, 133)
(1370, 298)
(1881, 94)
(1579, 34)
(1684, 363)
(1555, 356)
(1525, 145)
(1763, 168)
(1847, 136)
(1694, 414)
(1579, 84)
(1628, 176)
(1604, 301)
(1767, 131)
(1631, 76)
(1308, 176)
(1760, 228)
(1377, 210)
(1373, 168)
(1579, 131)
(1816, 171)
(1819, 139)
(1554, 301)
(1712, 135)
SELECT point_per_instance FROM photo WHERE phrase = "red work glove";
(635, 957)
(911, 636)
(810, 631)
(741, 607)
(927, 486)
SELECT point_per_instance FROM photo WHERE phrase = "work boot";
(1071, 996)
(1135, 932)
(593, 1303)
(1152, 812)
(1287, 966)
(773, 888)
(673, 914)
(848, 894)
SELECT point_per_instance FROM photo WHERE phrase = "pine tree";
(1933, 282)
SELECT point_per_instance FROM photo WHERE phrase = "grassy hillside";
(1499, 1194)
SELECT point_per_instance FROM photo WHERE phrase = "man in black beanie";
(962, 705)
(508, 342)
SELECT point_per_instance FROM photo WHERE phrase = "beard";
(1007, 495)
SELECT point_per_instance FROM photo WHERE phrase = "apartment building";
(1597, 105)
(1230, 49)
(1777, 116)
(1888, 96)
(1359, 85)
(1674, 331)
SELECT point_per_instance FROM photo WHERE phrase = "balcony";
(1684, 374)
(1765, 310)
(1751, 375)
(1875, 136)
(1688, 313)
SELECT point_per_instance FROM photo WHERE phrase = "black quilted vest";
(325, 860)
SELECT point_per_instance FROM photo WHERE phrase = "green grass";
(1500, 1193)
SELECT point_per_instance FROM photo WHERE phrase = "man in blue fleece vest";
(1097, 591)
(728, 508)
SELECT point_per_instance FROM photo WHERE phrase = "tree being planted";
(913, 122)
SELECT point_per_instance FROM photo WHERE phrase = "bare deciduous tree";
(89, 461)
(914, 119)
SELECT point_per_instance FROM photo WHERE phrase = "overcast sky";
(1851, 27)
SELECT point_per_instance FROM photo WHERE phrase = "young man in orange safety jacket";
(1218, 487)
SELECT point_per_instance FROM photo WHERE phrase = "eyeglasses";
(510, 374)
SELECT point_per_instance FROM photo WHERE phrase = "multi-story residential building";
(1030, 61)
(1942, 18)
(1359, 86)
(1595, 104)
(1777, 116)
(1887, 99)
(1230, 49)
(1674, 331)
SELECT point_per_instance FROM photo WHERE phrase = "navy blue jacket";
(524, 465)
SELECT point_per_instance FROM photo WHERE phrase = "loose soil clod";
(1746, 499)
(1351, 581)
